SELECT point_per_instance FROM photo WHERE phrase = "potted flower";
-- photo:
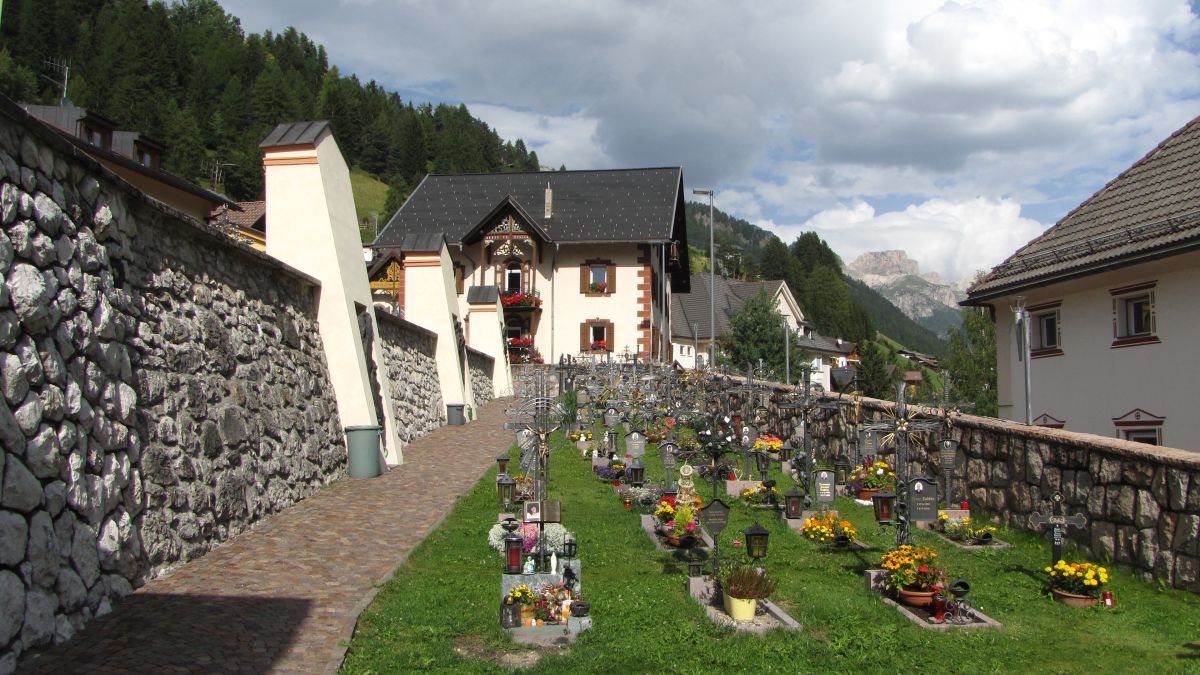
(870, 477)
(912, 575)
(742, 586)
(521, 596)
(828, 528)
(677, 520)
(1076, 584)
(599, 346)
(760, 495)
(601, 287)
(768, 443)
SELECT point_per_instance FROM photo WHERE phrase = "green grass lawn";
(369, 197)
(440, 612)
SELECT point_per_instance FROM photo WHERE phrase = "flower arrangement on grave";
(742, 586)
(549, 603)
(520, 594)
(963, 529)
(1077, 578)
(759, 494)
(641, 495)
(656, 432)
(768, 443)
(873, 475)
(912, 568)
(687, 439)
(554, 535)
(825, 527)
(722, 470)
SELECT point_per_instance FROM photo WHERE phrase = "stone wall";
(1142, 502)
(162, 388)
(481, 366)
(409, 352)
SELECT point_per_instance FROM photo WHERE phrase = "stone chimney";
(549, 202)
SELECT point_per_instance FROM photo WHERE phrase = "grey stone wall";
(1142, 502)
(481, 366)
(409, 352)
(161, 388)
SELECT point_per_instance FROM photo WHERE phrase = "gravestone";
(715, 516)
(825, 486)
(922, 500)
(635, 445)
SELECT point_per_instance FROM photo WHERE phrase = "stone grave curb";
(703, 592)
(874, 582)
(996, 545)
(650, 525)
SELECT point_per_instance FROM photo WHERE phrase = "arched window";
(512, 277)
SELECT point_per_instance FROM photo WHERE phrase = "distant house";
(1111, 293)
(245, 220)
(133, 156)
(691, 332)
(585, 262)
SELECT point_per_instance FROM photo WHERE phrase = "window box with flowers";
(521, 350)
(599, 346)
(601, 288)
(521, 300)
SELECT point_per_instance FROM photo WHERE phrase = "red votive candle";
(964, 506)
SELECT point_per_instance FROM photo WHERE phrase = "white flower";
(727, 419)
(879, 471)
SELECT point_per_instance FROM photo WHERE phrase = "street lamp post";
(712, 270)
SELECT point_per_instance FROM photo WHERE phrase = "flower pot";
(1073, 600)
(526, 614)
(739, 609)
(916, 598)
(867, 493)
(983, 539)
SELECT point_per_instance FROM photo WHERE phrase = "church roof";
(1150, 211)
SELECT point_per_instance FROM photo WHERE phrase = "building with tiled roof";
(584, 261)
(692, 332)
(247, 221)
(1110, 294)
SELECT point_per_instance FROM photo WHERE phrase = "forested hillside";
(187, 74)
(835, 304)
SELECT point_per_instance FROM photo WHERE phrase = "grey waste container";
(454, 413)
(362, 442)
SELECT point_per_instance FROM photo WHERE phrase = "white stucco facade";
(1097, 380)
(314, 228)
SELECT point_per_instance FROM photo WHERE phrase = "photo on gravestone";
(826, 481)
(533, 512)
(922, 500)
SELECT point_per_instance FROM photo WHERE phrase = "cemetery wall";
(410, 354)
(481, 366)
(161, 388)
(1142, 502)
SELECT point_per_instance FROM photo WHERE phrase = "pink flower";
(737, 543)
(670, 523)
(690, 527)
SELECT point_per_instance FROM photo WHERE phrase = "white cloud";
(557, 139)
(956, 239)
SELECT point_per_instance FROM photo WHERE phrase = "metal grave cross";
(951, 460)
(1058, 523)
(901, 425)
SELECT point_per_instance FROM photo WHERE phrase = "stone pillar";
(487, 335)
(312, 226)
(430, 301)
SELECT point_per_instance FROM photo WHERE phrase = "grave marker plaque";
(922, 500)
(826, 481)
(715, 516)
(635, 445)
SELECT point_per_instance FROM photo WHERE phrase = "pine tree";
(972, 361)
(873, 378)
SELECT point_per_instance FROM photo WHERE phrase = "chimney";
(549, 202)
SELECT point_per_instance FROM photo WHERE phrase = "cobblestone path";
(284, 596)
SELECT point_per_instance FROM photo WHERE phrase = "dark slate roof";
(621, 205)
(428, 241)
(1149, 211)
(294, 133)
(690, 311)
(483, 294)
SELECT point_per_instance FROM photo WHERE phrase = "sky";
(955, 130)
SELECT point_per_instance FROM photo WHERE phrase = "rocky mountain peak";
(883, 264)
(925, 298)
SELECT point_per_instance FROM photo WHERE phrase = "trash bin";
(362, 442)
(454, 414)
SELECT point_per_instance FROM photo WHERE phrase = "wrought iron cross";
(1058, 522)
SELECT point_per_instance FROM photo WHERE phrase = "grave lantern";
(512, 546)
(756, 540)
(793, 501)
(885, 507)
(570, 548)
(505, 487)
(695, 568)
(785, 452)
(635, 473)
(764, 463)
(842, 467)
(502, 463)
(771, 495)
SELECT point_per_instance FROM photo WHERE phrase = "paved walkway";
(285, 596)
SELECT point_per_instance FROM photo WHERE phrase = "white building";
(1111, 291)
(585, 261)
